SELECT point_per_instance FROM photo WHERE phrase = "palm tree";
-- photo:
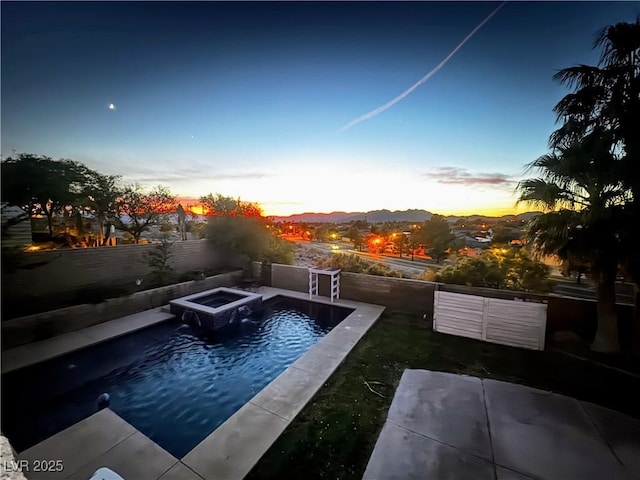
(582, 196)
(602, 115)
(606, 98)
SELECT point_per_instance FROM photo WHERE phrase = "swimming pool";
(173, 385)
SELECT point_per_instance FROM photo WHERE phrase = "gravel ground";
(309, 256)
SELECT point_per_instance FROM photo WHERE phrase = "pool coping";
(36, 352)
(232, 450)
(188, 303)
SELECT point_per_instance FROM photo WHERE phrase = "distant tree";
(436, 235)
(383, 230)
(374, 244)
(360, 224)
(41, 185)
(222, 206)
(401, 242)
(414, 241)
(321, 233)
(248, 237)
(354, 235)
(101, 194)
(137, 210)
(304, 228)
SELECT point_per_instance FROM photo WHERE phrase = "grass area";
(334, 435)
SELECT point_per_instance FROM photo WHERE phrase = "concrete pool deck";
(443, 425)
(106, 440)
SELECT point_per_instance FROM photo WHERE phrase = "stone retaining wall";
(20, 331)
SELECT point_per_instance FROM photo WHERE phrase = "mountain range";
(380, 216)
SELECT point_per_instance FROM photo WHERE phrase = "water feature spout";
(103, 401)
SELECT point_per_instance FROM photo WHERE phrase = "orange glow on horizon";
(196, 209)
(193, 205)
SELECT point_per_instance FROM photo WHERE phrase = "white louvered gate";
(508, 322)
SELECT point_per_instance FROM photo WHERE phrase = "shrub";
(504, 268)
(356, 264)
(158, 260)
(279, 251)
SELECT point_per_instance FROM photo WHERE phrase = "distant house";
(473, 238)
(16, 226)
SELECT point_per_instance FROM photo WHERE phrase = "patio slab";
(426, 400)
(232, 450)
(402, 454)
(533, 434)
(136, 457)
(546, 435)
(180, 472)
(79, 444)
(621, 433)
(506, 474)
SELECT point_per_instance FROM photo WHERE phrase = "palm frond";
(580, 76)
(618, 43)
(539, 193)
(550, 232)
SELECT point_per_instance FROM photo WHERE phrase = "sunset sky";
(258, 100)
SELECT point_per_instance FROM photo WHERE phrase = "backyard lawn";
(334, 435)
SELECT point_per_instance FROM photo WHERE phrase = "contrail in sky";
(404, 94)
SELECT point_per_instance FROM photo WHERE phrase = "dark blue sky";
(248, 98)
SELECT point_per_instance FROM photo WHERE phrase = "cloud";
(462, 176)
(284, 203)
(185, 174)
(435, 70)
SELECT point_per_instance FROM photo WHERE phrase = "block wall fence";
(563, 313)
(66, 270)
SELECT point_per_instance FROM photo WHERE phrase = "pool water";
(173, 385)
(218, 299)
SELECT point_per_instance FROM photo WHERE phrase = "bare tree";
(137, 210)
